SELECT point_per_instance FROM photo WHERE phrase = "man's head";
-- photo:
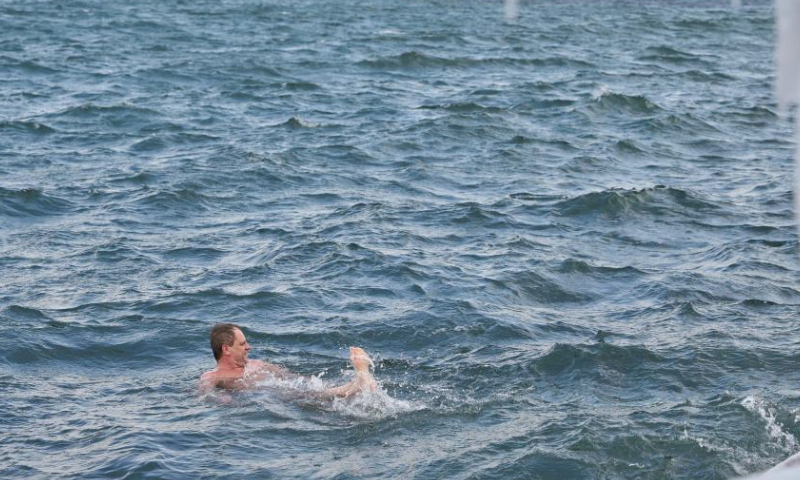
(227, 340)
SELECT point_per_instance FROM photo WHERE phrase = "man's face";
(239, 349)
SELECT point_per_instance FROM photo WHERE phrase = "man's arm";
(272, 369)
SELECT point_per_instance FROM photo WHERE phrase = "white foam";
(365, 405)
(759, 406)
(294, 384)
(375, 405)
(701, 442)
(601, 92)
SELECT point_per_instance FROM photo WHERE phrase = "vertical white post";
(787, 86)
(511, 10)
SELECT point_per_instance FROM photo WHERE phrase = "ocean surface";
(566, 238)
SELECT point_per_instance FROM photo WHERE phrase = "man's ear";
(226, 349)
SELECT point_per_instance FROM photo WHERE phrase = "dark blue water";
(567, 240)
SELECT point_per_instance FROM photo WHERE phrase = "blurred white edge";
(786, 470)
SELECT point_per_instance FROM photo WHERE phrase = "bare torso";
(242, 377)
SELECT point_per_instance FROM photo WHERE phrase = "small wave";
(473, 213)
(27, 313)
(467, 107)
(110, 253)
(414, 60)
(607, 101)
(90, 110)
(535, 197)
(706, 77)
(576, 360)
(134, 24)
(757, 112)
(758, 303)
(688, 310)
(533, 287)
(160, 128)
(259, 71)
(137, 178)
(19, 126)
(296, 123)
(76, 350)
(120, 116)
(178, 201)
(359, 210)
(32, 67)
(408, 60)
(556, 62)
(31, 202)
(173, 74)
(628, 147)
(129, 462)
(300, 86)
(683, 123)
(194, 255)
(672, 56)
(159, 142)
(485, 92)
(241, 96)
(521, 140)
(150, 144)
(571, 265)
(619, 202)
(543, 104)
(699, 25)
(546, 464)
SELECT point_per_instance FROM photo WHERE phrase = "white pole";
(511, 10)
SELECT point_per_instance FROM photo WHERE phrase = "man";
(234, 371)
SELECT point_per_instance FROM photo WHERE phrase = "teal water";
(567, 240)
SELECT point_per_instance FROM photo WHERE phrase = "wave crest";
(30, 202)
(619, 202)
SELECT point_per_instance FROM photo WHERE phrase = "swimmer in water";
(235, 372)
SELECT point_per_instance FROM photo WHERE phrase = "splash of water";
(790, 468)
(375, 405)
(759, 406)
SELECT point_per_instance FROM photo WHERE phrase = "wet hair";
(222, 334)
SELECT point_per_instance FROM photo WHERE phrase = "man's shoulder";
(208, 380)
(216, 379)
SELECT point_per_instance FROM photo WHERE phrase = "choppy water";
(567, 240)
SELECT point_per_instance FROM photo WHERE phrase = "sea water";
(566, 237)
